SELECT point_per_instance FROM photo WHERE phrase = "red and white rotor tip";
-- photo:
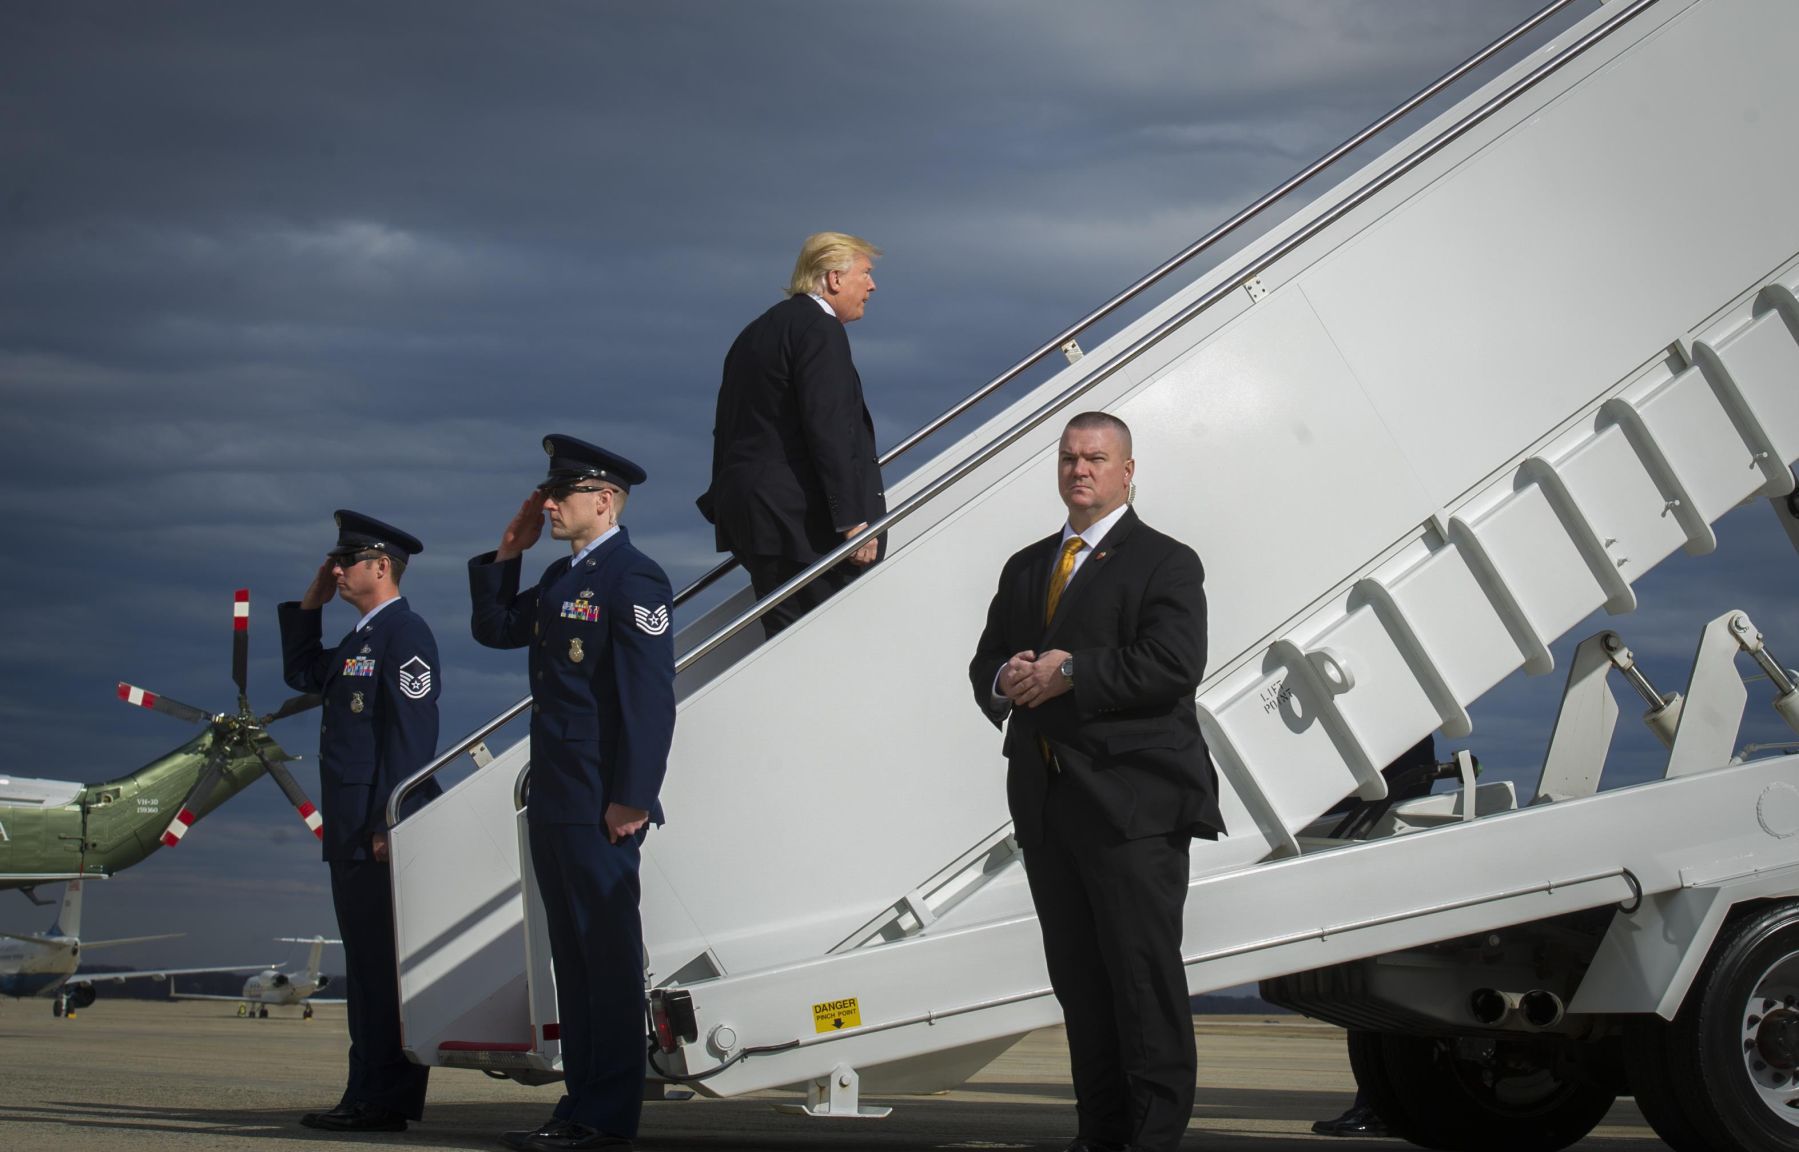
(177, 828)
(313, 820)
(132, 694)
(240, 610)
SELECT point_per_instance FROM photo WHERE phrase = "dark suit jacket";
(1127, 738)
(378, 722)
(602, 640)
(793, 445)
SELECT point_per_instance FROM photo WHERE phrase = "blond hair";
(825, 252)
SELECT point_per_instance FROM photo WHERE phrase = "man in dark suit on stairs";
(1094, 647)
(794, 470)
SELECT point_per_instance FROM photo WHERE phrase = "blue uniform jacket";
(602, 643)
(379, 724)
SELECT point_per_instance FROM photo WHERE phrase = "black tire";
(1655, 1086)
(1368, 1062)
(1514, 1103)
(1733, 1051)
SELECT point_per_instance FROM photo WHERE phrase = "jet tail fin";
(68, 917)
(312, 960)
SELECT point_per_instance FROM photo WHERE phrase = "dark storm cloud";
(261, 261)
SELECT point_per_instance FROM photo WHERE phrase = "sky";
(258, 262)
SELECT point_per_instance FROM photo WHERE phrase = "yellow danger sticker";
(836, 1015)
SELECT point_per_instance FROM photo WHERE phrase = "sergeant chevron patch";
(415, 678)
(651, 620)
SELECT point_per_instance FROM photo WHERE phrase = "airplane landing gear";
(262, 1013)
(306, 1012)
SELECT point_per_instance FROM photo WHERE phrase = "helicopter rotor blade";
(132, 694)
(291, 788)
(290, 706)
(196, 798)
(240, 640)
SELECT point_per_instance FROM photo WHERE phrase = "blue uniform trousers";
(381, 1076)
(590, 895)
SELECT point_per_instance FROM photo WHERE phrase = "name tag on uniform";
(359, 666)
(580, 610)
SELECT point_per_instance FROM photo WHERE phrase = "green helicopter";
(56, 830)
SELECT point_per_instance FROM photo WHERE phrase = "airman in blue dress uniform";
(602, 664)
(380, 685)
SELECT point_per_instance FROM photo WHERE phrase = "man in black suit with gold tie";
(794, 471)
(1094, 647)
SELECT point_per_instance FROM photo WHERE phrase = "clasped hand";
(1028, 679)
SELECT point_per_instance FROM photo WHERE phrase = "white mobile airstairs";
(1417, 431)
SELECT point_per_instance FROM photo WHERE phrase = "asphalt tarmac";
(141, 1075)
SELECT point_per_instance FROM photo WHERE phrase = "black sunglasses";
(351, 559)
(561, 492)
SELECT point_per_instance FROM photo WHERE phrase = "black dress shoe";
(1358, 1121)
(576, 1138)
(1083, 1144)
(356, 1118)
(551, 1127)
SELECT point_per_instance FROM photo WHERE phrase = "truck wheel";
(1511, 1099)
(1734, 1048)
(1654, 1084)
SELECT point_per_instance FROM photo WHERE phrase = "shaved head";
(1102, 422)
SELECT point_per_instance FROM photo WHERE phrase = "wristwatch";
(1068, 671)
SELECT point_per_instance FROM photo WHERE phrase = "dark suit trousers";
(380, 1074)
(770, 572)
(590, 895)
(1110, 911)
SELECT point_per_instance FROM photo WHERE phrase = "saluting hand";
(323, 586)
(525, 528)
(622, 821)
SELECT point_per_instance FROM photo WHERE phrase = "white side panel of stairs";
(1386, 389)
(1463, 417)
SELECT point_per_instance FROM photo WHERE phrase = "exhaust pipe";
(1490, 1007)
(1534, 1010)
(1540, 1009)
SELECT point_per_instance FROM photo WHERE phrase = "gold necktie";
(1059, 579)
